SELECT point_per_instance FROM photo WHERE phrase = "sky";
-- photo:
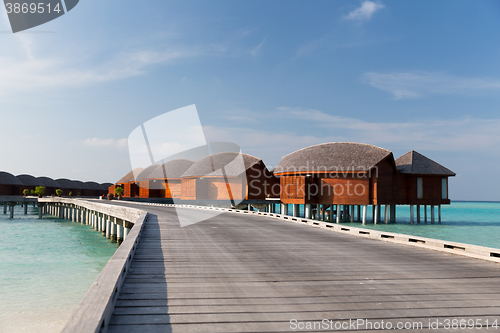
(270, 76)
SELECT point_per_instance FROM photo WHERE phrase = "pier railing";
(94, 311)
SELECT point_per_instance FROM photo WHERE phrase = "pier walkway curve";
(241, 273)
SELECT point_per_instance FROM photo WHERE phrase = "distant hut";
(127, 182)
(166, 178)
(9, 184)
(337, 173)
(68, 186)
(84, 188)
(50, 185)
(227, 176)
(96, 189)
(29, 183)
(145, 188)
(422, 181)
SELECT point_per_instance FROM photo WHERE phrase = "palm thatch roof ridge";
(9, 179)
(171, 169)
(146, 172)
(129, 177)
(333, 156)
(49, 182)
(234, 164)
(29, 180)
(415, 163)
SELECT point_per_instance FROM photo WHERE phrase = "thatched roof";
(29, 180)
(416, 163)
(49, 182)
(171, 169)
(96, 186)
(234, 165)
(334, 156)
(83, 186)
(69, 184)
(9, 179)
(146, 172)
(129, 177)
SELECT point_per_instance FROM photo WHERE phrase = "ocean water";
(46, 267)
(476, 223)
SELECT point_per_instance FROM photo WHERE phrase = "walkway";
(237, 273)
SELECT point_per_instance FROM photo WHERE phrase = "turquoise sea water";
(476, 223)
(46, 267)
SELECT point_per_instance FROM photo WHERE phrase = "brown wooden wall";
(345, 191)
(188, 188)
(293, 189)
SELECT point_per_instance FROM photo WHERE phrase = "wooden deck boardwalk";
(241, 273)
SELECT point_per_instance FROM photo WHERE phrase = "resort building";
(333, 179)
(9, 184)
(228, 176)
(166, 178)
(29, 182)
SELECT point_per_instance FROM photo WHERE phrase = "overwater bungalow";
(9, 184)
(127, 182)
(165, 180)
(330, 179)
(50, 185)
(227, 176)
(29, 182)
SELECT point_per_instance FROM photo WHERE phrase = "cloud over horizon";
(406, 85)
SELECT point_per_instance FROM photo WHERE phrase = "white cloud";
(255, 52)
(30, 73)
(365, 12)
(466, 134)
(419, 84)
(114, 143)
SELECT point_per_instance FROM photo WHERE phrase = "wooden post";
(318, 212)
(5, 208)
(393, 213)
(358, 218)
(12, 205)
(375, 213)
(411, 214)
(418, 213)
(425, 213)
(364, 214)
(352, 213)
(439, 213)
(432, 213)
(307, 211)
(26, 209)
(338, 214)
(386, 214)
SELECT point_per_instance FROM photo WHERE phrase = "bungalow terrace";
(333, 178)
(227, 176)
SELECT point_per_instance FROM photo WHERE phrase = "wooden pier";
(247, 273)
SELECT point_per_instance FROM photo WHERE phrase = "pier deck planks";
(245, 273)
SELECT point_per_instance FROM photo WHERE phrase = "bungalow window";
(420, 188)
(444, 188)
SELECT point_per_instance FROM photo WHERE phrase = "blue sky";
(271, 76)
